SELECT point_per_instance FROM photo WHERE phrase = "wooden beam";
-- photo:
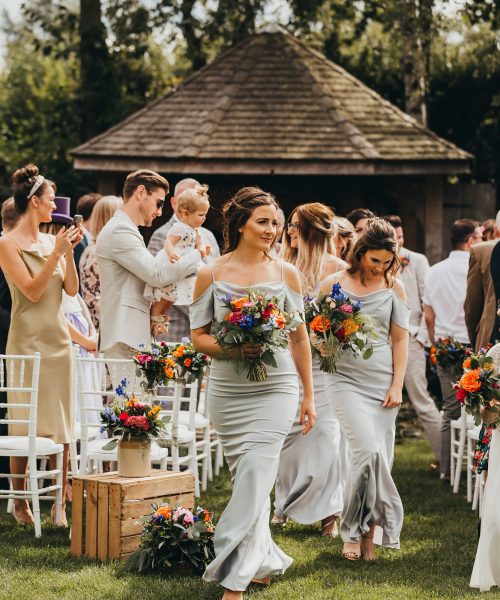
(434, 211)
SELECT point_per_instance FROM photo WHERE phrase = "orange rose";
(281, 321)
(170, 362)
(187, 362)
(433, 359)
(320, 324)
(470, 381)
(349, 327)
(433, 350)
(178, 352)
(240, 303)
(164, 511)
(169, 372)
(466, 363)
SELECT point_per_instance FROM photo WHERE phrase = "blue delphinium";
(121, 389)
(356, 306)
(247, 322)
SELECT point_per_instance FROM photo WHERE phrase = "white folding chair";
(92, 454)
(215, 445)
(472, 439)
(23, 373)
(177, 435)
(459, 428)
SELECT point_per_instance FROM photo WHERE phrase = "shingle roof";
(271, 99)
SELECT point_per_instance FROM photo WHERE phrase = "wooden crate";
(107, 510)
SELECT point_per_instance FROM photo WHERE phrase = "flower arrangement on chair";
(187, 360)
(175, 537)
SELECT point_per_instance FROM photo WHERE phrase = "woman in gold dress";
(38, 267)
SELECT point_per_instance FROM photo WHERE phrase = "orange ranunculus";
(207, 517)
(228, 316)
(470, 381)
(433, 359)
(169, 372)
(169, 362)
(433, 350)
(320, 324)
(178, 352)
(187, 362)
(466, 363)
(349, 326)
(240, 303)
(281, 321)
(164, 511)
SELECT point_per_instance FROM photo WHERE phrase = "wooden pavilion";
(272, 112)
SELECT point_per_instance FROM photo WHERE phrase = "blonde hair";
(316, 229)
(191, 198)
(346, 231)
(104, 209)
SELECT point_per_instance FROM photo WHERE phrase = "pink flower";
(461, 395)
(347, 308)
(138, 422)
(188, 515)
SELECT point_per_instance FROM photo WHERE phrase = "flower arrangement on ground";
(447, 353)
(479, 386)
(174, 537)
(337, 324)
(187, 360)
(128, 418)
(154, 365)
(255, 319)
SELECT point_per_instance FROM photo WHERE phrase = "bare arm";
(300, 349)
(13, 265)
(170, 242)
(399, 339)
(430, 321)
(87, 342)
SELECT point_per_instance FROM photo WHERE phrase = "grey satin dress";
(356, 392)
(309, 486)
(252, 420)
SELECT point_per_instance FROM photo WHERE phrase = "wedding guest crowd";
(323, 441)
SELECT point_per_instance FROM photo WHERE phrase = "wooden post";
(434, 200)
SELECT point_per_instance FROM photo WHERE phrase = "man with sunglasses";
(126, 265)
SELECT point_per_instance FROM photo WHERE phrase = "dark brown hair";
(461, 231)
(359, 213)
(86, 203)
(238, 210)
(149, 179)
(22, 182)
(377, 235)
(9, 214)
(394, 220)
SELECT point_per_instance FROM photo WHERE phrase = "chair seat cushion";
(199, 420)
(184, 435)
(92, 431)
(20, 443)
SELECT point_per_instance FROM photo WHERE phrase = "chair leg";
(469, 469)
(35, 498)
(59, 483)
(73, 458)
(194, 468)
(459, 459)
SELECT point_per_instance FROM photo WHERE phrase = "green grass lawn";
(435, 561)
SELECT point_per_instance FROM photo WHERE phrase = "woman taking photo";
(307, 489)
(38, 267)
(252, 419)
(366, 394)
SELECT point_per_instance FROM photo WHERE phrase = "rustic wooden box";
(107, 510)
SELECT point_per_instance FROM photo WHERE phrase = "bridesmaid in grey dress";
(366, 394)
(307, 489)
(252, 419)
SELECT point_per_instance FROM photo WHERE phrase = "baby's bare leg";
(161, 307)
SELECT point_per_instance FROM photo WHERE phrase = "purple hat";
(61, 213)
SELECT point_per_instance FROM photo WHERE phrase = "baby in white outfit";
(192, 208)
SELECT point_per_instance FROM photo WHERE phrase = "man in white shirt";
(413, 271)
(444, 296)
(178, 315)
(125, 266)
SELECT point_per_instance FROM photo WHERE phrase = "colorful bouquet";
(447, 353)
(479, 386)
(175, 537)
(128, 418)
(187, 360)
(154, 365)
(337, 324)
(255, 319)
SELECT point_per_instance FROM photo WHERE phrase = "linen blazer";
(413, 278)
(480, 303)
(125, 266)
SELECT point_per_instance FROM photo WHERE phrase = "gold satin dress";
(41, 327)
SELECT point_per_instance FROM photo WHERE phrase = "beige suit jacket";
(480, 303)
(413, 278)
(125, 266)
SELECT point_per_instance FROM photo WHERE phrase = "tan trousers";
(416, 388)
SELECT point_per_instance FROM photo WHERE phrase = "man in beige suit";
(126, 265)
(413, 270)
(480, 303)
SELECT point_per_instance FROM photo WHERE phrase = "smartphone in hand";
(77, 220)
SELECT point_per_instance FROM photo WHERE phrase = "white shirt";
(445, 289)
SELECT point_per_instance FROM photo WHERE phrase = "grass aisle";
(438, 547)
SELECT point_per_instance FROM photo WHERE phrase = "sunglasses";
(160, 202)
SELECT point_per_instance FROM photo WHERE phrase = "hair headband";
(38, 182)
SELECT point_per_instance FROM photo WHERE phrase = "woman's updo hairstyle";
(23, 181)
(238, 210)
(377, 235)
